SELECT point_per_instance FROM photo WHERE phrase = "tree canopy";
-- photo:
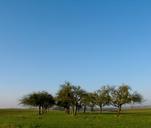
(123, 95)
(72, 98)
(43, 100)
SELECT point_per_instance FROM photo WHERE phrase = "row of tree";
(73, 98)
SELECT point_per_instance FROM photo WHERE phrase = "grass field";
(10, 118)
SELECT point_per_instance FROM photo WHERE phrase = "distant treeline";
(73, 98)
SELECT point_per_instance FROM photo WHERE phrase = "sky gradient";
(88, 42)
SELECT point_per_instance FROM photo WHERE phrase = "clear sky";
(88, 42)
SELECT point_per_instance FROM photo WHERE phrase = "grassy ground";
(56, 119)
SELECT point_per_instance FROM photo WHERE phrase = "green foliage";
(136, 97)
(70, 96)
(78, 94)
(92, 98)
(73, 98)
(43, 100)
(85, 101)
(103, 97)
(123, 95)
(65, 96)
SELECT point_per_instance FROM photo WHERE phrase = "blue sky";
(88, 42)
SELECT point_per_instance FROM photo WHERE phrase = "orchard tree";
(123, 95)
(92, 97)
(70, 96)
(65, 96)
(136, 97)
(103, 97)
(85, 101)
(43, 100)
(120, 96)
(77, 94)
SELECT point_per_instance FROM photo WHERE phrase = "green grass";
(10, 118)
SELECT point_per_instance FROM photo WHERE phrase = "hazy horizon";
(89, 43)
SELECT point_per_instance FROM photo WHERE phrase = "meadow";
(19, 118)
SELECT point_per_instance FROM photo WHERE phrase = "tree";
(43, 100)
(69, 96)
(136, 97)
(92, 100)
(85, 101)
(78, 94)
(123, 95)
(120, 96)
(65, 96)
(103, 97)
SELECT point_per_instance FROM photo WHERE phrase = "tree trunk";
(84, 109)
(39, 110)
(76, 108)
(119, 110)
(101, 108)
(73, 109)
(92, 109)
(44, 109)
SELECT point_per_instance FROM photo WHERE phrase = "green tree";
(69, 96)
(43, 100)
(85, 101)
(136, 97)
(103, 97)
(123, 95)
(92, 97)
(65, 96)
(120, 96)
(78, 94)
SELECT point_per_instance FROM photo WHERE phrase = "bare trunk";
(76, 109)
(44, 109)
(39, 110)
(101, 109)
(84, 109)
(119, 110)
(73, 109)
